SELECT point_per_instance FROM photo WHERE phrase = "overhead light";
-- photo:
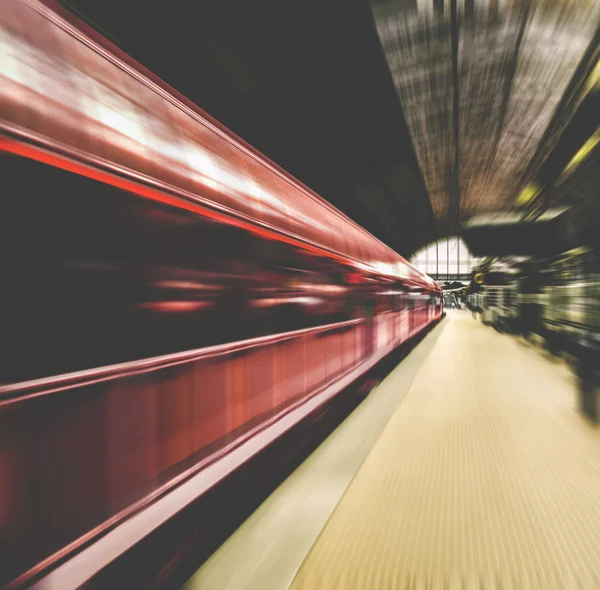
(528, 195)
(593, 80)
(585, 149)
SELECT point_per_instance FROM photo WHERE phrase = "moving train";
(171, 299)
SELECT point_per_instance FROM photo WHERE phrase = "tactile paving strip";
(485, 477)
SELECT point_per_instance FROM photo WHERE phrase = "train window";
(93, 275)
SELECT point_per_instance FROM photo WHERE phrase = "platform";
(484, 475)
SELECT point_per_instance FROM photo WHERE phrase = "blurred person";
(588, 374)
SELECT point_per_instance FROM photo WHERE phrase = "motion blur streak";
(168, 294)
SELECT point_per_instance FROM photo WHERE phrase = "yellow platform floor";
(483, 475)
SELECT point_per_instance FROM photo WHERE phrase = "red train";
(171, 300)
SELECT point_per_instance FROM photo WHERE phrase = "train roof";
(66, 91)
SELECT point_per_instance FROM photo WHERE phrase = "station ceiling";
(480, 82)
(410, 116)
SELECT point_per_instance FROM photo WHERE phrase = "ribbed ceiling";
(479, 82)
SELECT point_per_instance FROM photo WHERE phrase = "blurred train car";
(556, 298)
(570, 311)
(167, 292)
(570, 287)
